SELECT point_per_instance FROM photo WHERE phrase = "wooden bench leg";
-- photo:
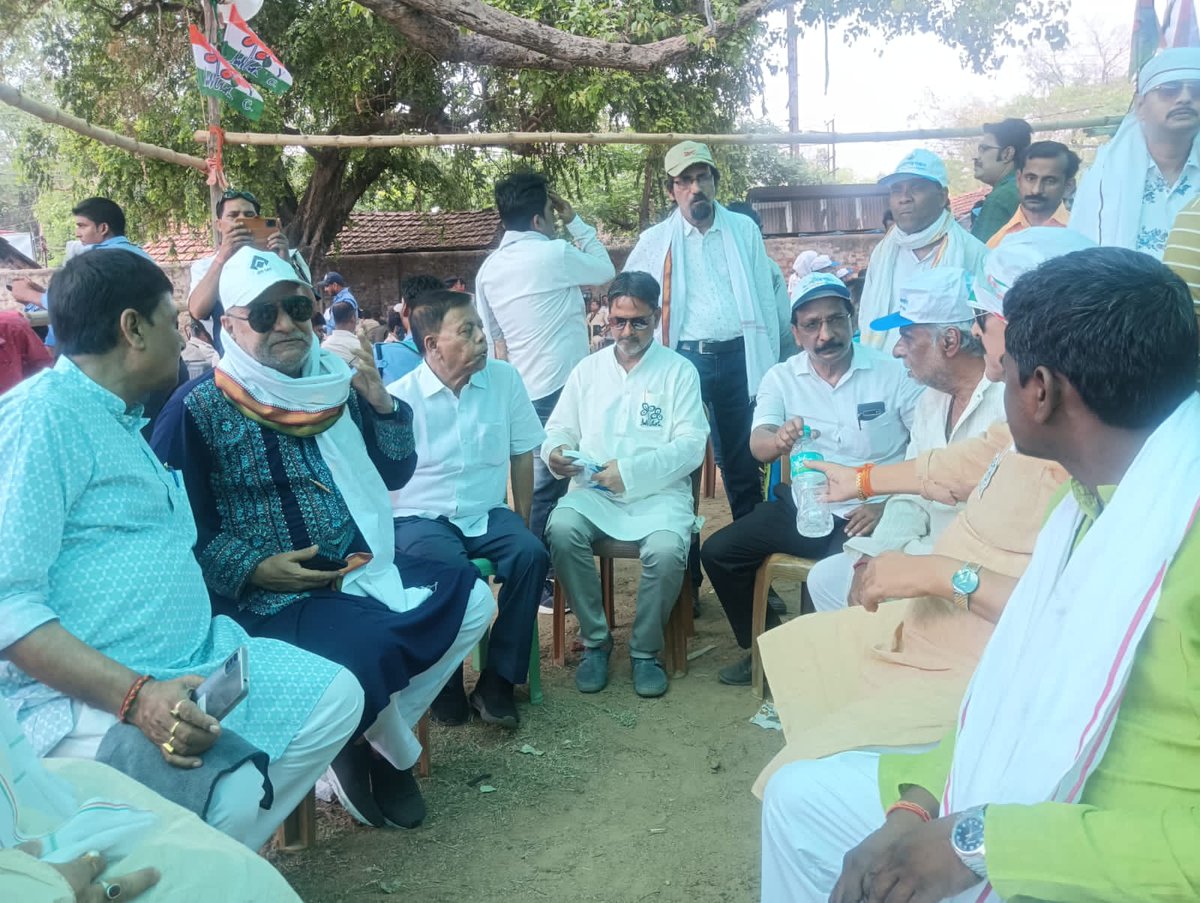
(608, 591)
(423, 763)
(558, 638)
(299, 830)
(675, 638)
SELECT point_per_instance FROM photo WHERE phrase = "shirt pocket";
(650, 415)
(880, 432)
(489, 443)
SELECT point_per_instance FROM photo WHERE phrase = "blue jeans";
(547, 488)
(730, 412)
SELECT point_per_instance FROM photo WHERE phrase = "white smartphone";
(226, 687)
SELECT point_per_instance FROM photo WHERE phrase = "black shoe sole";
(361, 803)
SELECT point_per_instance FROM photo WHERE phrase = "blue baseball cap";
(332, 277)
(920, 164)
(819, 285)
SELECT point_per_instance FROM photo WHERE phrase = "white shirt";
(464, 443)
(343, 343)
(850, 432)
(711, 311)
(1161, 203)
(528, 296)
(913, 523)
(650, 420)
(907, 266)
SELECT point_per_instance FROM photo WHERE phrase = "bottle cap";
(807, 432)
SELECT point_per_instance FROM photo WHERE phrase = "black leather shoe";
(397, 794)
(450, 705)
(492, 698)
(776, 604)
(350, 774)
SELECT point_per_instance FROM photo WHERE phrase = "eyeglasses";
(984, 148)
(639, 324)
(685, 182)
(813, 326)
(262, 315)
(1171, 90)
(981, 318)
(230, 193)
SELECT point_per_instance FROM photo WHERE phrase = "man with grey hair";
(939, 351)
(1150, 170)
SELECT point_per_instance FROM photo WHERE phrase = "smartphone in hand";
(224, 688)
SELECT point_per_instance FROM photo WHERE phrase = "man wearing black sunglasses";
(1150, 170)
(233, 210)
(288, 455)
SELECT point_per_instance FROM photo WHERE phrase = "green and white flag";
(248, 54)
(217, 78)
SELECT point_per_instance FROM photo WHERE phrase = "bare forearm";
(765, 445)
(55, 657)
(203, 298)
(987, 601)
(895, 479)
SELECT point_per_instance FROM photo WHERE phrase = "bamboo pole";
(212, 110)
(14, 98)
(503, 139)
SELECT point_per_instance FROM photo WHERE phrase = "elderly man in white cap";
(859, 401)
(926, 236)
(1150, 170)
(937, 347)
(288, 456)
(719, 308)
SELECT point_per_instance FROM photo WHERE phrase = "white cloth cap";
(920, 164)
(1016, 255)
(250, 272)
(941, 295)
(1176, 64)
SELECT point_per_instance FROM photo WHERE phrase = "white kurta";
(650, 420)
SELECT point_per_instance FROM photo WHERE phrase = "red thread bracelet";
(131, 696)
(906, 806)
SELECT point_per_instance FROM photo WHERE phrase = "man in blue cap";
(335, 288)
(860, 403)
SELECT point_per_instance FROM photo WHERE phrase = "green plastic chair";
(479, 657)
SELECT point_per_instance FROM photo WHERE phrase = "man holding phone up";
(240, 224)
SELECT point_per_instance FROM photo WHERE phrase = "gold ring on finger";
(174, 727)
(168, 747)
(175, 709)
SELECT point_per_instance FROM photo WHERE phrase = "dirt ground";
(624, 799)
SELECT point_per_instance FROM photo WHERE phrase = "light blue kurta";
(95, 532)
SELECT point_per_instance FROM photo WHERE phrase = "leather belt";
(707, 346)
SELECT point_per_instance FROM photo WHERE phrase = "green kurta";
(998, 208)
(1135, 834)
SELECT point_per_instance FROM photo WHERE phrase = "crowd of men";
(984, 415)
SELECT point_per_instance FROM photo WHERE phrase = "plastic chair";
(776, 566)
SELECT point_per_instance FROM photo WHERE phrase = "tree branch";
(500, 38)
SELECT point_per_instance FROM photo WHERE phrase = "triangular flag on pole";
(1144, 41)
(247, 52)
(217, 78)
(1179, 25)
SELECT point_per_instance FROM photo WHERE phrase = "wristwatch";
(967, 840)
(965, 581)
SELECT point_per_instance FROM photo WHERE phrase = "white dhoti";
(829, 581)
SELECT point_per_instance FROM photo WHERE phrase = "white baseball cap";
(250, 272)
(937, 296)
(819, 285)
(1016, 255)
(920, 164)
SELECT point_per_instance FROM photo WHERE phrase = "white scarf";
(754, 292)
(880, 292)
(325, 383)
(1039, 711)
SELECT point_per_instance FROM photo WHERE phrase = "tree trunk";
(340, 178)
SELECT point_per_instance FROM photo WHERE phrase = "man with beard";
(1045, 175)
(719, 307)
(627, 434)
(996, 165)
(1150, 170)
(925, 237)
(860, 403)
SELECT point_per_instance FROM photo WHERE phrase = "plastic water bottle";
(810, 490)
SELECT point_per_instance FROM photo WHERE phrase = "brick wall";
(848, 250)
(180, 275)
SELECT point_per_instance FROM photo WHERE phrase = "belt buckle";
(703, 344)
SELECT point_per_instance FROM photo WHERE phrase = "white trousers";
(814, 812)
(392, 733)
(829, 581)
(234, 808)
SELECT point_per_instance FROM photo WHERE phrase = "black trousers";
(732, 555)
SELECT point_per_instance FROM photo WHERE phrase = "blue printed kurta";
(96, 533)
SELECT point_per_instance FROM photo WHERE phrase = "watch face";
(965, 581)
(968, 834)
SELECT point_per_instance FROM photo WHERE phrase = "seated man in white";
(959, 402)
(633, 410)
(104, 615)
(474, 426)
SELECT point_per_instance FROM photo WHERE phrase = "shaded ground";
(630, 800)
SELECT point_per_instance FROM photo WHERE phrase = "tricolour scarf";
(1040, 708)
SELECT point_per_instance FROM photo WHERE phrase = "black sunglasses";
(261, 315)
(230, 193)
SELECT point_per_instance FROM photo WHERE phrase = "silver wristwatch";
(967, 840)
